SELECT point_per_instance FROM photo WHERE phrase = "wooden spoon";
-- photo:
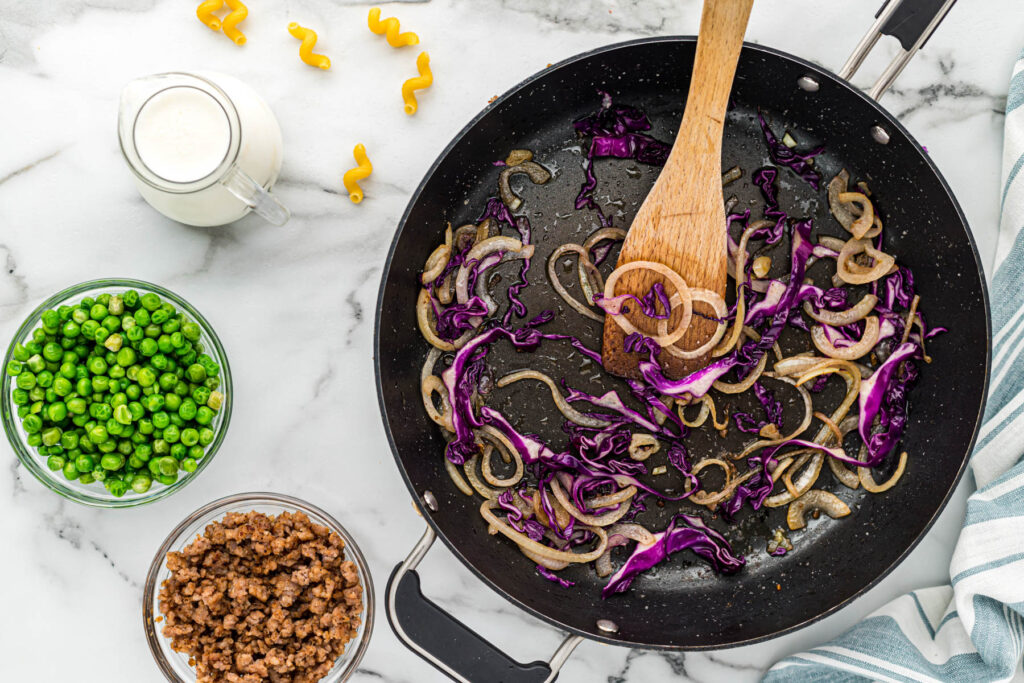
(681, 224)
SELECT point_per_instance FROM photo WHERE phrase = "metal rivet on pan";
(430, 501)
(880, 135)
(607, 625)
(807, 83)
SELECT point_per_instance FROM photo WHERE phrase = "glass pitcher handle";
(266, 205)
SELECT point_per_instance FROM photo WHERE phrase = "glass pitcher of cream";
(204, 147)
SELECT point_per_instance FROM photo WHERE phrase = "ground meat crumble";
(261, 598)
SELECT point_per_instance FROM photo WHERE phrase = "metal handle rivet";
(880, 135)
(430, 501)
(807, 83)
(607, 626)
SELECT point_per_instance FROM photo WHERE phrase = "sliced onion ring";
(557, 285)
(590, 520)
(563, 406)
(859, 311)
(868, 481)
(860, 349)
(539, 549)
(717, 303)
(854, 274)
(682, 292)
(817, 499)
(643, 446)
(866, 219)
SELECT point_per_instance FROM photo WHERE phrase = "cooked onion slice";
(457, 479)
(717, 304)
(430, 386)
(746, 383)
(866, 219)
(511, 248)
(643, 446)
(425, 320)
(681, 297)
(816, 500)
(868, 482)
(590, 520)
(857, 312)
(539, 549)
(538, 175)
(861, 348)
(844, 474)
(850, 272)
(563, 406)
(584, 261)
(436, 263)
(497, 437)
(702, 416)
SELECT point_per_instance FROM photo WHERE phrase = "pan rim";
(748, 49)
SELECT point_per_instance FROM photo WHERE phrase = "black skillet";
(682, 604)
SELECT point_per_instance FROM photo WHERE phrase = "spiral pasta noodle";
(238, 13)
(424, 80)
(308, 38)
(389, 28)
(205, 13)
(363, 169)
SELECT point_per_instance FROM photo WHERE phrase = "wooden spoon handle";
(722, 26)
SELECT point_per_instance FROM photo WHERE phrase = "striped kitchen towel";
(973, 629)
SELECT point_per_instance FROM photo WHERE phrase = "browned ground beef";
(259, 598)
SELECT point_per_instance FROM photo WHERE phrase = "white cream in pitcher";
(204, 147)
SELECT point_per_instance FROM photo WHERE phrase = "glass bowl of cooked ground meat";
(258, 587)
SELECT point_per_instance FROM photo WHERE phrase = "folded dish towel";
(973, 629)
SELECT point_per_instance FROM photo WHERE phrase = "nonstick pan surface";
(682, 604)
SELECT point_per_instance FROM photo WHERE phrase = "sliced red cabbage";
(799, 162)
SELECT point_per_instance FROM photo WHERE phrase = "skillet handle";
(448, 644)
(912, 22)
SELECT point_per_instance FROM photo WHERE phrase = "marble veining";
(294, 305)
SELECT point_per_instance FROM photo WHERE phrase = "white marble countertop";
(69, 212)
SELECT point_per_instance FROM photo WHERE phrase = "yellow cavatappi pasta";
(389, 28)
(308, 38)
(424, 80)
(238, 12)
(352, 176)
(205, 13)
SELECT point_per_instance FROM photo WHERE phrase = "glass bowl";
(94, 494)
(175, 665)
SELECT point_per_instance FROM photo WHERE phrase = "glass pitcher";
(204, 147)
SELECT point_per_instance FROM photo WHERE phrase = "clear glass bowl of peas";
(116, 393)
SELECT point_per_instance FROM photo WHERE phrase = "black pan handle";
(447, 643)
(912, 22)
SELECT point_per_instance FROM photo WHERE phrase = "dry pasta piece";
(389, 28)
(424, 80)
(238, 12)
(352, 176)
(205, 13)
(308, 38)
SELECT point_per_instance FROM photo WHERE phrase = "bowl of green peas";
(116, 393)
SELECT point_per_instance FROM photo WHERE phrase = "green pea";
(62, 386)
(160, 362)
(116, 487)
(90, 328)
(32, 423)
(116, 372)
(101, 411)
(126, 356)
(135, 410)
(131, 298)
(189, 465)
(142, 317)
(69, 440)
(86, 478)
(191, 331)
(98, 434)
(71, 328)
(99, 474)
(34, 440)
(161, 420)
(196, 452)
(146, 377)
(146, 426)
(84, 463)
(36, 363)
(188, 409)
(173, 402)
(168, 381)
(113, 428)
(142, 451)
(204, 415)
(97, 365)
(53, 352)
(141, 483)
(107, 446)
(178, 451)
(44, 379)
(70, 471)
(161, 447)
(101, 335)
(150, 301)
(51, 437)
(134, 334)
(177, 421)
(100, 384)
(57, 412)
(167, 479)
(118, 399)
(123, 415)
(189, 436)
(167, 466)
(50, 318)
(212, 383)
(14, 368)
(196, 373)
(133, 392)
(21, 353)
(77, 406)
(112, 461)
(55, 462)
(160, 316)
(19, 396)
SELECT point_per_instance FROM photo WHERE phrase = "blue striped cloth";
(973, 629)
